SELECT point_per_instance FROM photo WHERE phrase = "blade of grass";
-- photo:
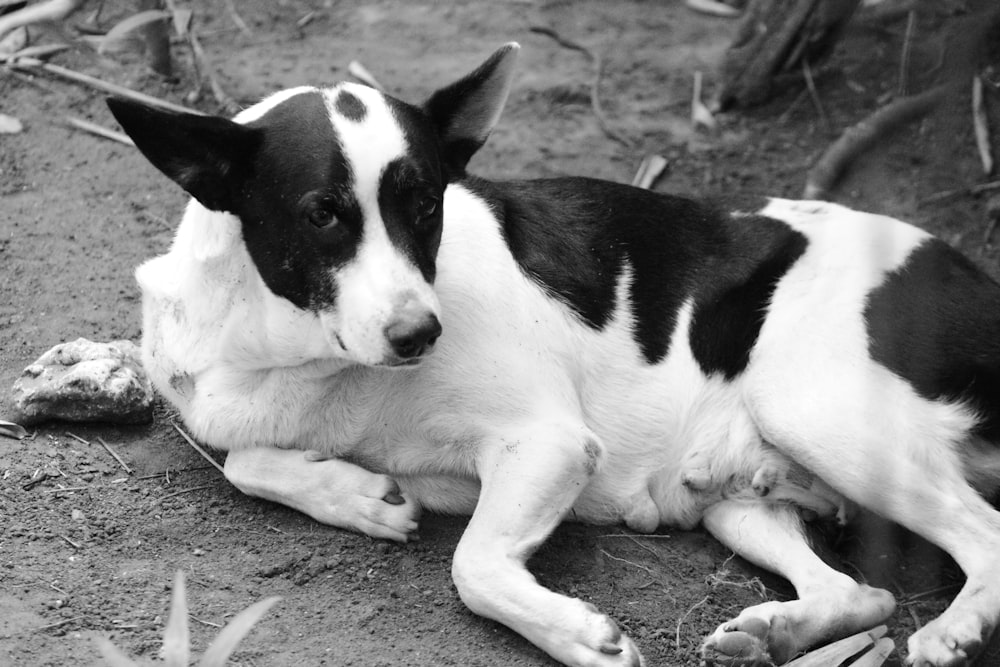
(113, 655)
(176, 638)
(222, 647)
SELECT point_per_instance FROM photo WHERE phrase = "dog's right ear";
(208, 156)
(465, 112)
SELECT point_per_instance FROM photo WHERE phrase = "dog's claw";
(393, 498)
(610, 649)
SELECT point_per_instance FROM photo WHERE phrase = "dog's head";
(339, 192)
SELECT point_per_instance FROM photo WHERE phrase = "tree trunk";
(775, 39)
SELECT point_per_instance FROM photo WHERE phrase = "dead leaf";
(120, 33)
(182, 21)
(10, 429)
(713, 8)
(14, 41)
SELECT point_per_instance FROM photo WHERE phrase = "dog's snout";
(412, 337)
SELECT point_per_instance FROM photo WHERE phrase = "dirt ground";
(86, 548)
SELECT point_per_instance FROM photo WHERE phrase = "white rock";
(85, 381)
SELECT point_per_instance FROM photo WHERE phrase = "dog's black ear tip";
(122, 107)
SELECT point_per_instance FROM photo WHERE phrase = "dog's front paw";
(597, 642)
(386, 512)
(368, 502)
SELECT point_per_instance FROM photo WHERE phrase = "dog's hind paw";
(951, 640)
(740, 643)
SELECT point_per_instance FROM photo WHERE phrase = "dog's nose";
(410, 338)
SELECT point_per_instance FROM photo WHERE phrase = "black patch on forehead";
(300, 165)
(935, 322)
(350, 107)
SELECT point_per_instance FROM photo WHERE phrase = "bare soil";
(86, 548)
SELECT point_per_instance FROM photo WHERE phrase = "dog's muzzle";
(413, 336)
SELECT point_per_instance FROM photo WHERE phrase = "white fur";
(379, 282)
(523, 406)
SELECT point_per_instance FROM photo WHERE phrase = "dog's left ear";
(465, 112)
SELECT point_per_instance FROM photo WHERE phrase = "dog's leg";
(933, 499)
(331, 491)
(899, 457)
(530, 480)
(830, 605)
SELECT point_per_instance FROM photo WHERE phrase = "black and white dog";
(368, 331)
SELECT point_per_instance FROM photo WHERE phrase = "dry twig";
(53, 10)
(182, 491)
(114, 454)
(359, 72)
(680, 622)
(839, 651)
(237, 19)
(33, 64)
(814, 95)
(595, 86)
(904, 59)
(969, 189)
(981, 125)
(183, 21)
(860, 137)
(58, 623)
(197, 448)
(650, 169)
(40, 52)
(628, 562)
(99, 130)
(700, 114)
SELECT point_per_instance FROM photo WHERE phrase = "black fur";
(730, 309)
(574, 235)
(300, 168)
(205, 155)
(449, 110)
(936, 323)
(350, 107)
(403, 190)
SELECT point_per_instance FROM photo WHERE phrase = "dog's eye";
(426, 209)
(322, 217)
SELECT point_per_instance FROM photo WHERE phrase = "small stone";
(10, 125)
(78, 515)
(85, 381)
